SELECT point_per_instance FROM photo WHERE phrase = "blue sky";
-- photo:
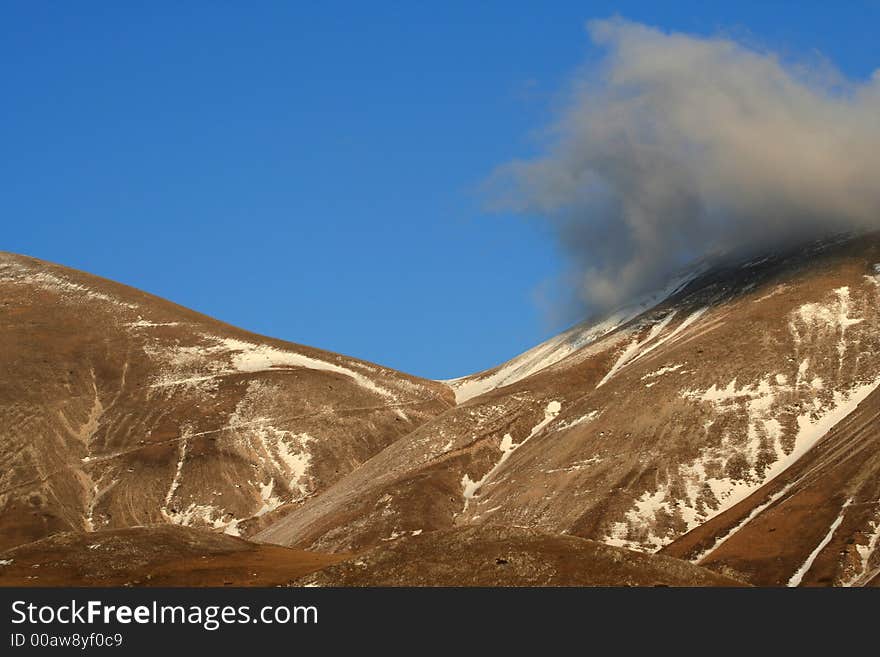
(311, 171)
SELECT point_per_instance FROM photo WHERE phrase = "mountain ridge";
(119, 408)
(797, 299)
(730, 421)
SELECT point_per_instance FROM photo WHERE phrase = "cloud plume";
(675, 146)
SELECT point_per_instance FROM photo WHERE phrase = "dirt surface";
(155, 556)
(503, 556)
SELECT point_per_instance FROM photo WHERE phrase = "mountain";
(733, 424)
(118, 408)
(566, 343)
(720, 431)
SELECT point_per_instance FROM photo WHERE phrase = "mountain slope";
(503, 556)
(159, 555)
(163, 555)
(730, 421)
(118, 408)
(816, 523)
(655, 428)
(557, 348)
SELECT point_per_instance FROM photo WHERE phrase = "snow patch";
(707, 477)
(206, 514)
(554, 350)
(203, 363)
(568, 424)
(64, 286)
(574, 467)
(663, 370)
(143, 323)
(632, 351)
(833, 316)
(865, 553)
(758, 510)
(250, 357)
(471, 488)
(805, 567)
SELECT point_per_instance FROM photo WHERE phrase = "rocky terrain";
(726, 423)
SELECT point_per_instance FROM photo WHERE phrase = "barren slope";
(160, 555)
(503, 556)
(118, 408)
(734, 424)
(653, 428)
